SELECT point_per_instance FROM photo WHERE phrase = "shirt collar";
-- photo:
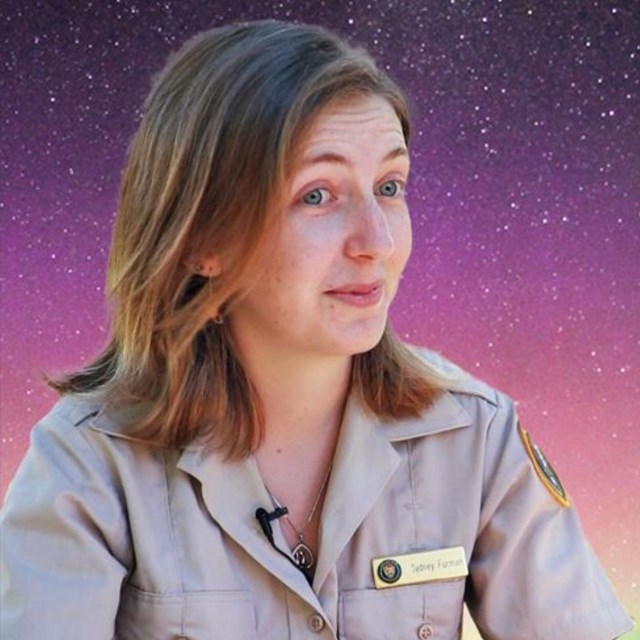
(444, 414)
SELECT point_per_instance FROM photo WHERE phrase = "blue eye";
(316, 197)
(390, 188)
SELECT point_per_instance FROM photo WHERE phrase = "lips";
(358, 294)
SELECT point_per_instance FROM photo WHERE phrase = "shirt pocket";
(431, 611)
(200, 615)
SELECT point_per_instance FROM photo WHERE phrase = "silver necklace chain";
(302, 553)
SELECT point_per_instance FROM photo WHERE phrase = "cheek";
(403, 238)
(287, 272)
(310, 245)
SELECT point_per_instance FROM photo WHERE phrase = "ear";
(207, 266)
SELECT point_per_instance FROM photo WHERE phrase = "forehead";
(366, 120)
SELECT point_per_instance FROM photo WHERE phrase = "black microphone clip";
(265, 517)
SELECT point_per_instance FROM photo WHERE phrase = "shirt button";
(316, 623)
(425, 631)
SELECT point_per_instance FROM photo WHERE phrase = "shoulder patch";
(543, 468)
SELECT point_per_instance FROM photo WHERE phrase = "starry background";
(525, 197)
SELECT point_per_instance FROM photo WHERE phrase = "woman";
(255, 454)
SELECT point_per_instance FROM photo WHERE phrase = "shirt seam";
(174, 542)
(485, 467)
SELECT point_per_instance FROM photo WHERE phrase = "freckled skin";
(345, 224)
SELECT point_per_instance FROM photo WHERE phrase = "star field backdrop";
(525, 198)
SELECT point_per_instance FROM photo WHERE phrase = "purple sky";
(525, 197)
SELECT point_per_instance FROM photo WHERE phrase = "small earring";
(200, 270)
(219, 319)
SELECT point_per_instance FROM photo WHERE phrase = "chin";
(365, 342)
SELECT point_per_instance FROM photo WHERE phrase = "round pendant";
(303, 556)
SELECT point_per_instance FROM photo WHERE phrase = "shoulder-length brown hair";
(205, 175)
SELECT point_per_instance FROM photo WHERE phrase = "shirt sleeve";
(533, 575)
(62, 551)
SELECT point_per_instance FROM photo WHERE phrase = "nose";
(370, 235)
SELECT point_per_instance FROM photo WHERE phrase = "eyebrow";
(336, 158)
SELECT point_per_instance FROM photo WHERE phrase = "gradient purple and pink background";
(525, 198)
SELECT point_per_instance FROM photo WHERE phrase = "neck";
(301, 397)
(299, 402)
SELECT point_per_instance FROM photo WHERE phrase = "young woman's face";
(346, 237)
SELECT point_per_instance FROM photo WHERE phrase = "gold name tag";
(413, 568)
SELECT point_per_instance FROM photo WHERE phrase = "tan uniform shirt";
(103, 538)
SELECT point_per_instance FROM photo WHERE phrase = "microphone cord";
(264, 518)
